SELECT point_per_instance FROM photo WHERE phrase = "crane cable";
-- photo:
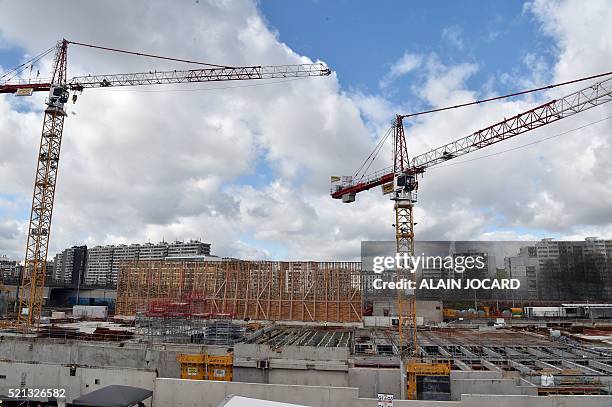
(141, 54)
(29, 63)
(176, 60)
(365, 166)
(481, 101)
(509, 95)
(523, 145)
(387, 169)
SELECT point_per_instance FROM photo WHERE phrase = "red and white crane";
(400, 180)
(59, 88)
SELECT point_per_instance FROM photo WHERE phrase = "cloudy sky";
(247, 167)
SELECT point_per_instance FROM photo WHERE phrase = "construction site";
(195, 331)
(297, 332)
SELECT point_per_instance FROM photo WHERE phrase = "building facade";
(69, 265)
(552, 270)
(99, 267)
(10, 270)
(191, 248)
(103, 261)
(7, 268)
(523, 267)
(122, 253)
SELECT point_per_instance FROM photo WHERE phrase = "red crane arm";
(341, 187)
(584, 99)
(14, 86)
(581, 100)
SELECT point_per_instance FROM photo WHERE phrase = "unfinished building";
(257, 290)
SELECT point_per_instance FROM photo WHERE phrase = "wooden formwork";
(259, 290)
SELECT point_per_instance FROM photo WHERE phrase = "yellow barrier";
(206, 367)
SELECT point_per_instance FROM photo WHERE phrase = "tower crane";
(59, 88)
(400, 181)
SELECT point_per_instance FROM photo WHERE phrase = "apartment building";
(69, 265)
(564, 270)
(7, 267)
(103, 262)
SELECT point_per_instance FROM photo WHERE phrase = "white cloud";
(407, 63)
(444, 84)
(581, 31)
(140, 166)
(454, 36)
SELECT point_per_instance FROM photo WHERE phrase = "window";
(97, 381)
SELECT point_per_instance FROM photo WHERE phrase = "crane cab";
(405, 187)
(405, 182)
(58, 97)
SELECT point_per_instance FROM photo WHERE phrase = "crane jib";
(550, 112)
(31, 291)
(79, 83)
(199, 75)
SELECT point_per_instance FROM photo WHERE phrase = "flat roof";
(113, 396)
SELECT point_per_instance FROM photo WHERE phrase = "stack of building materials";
(90, 311)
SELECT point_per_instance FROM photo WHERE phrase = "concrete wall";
(304, 365)
(191, 393)
(259, 352)
(361, 383)
(250, 375)
(381, 322)
(314, 372)
(291, 365)
(460, 387)
(371, 381)
(430, 310)
(85, 380)
(310, 366)
(488, 382)
(308, 377)
(101, 354)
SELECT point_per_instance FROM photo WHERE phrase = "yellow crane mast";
(31, 293)
(400, 180)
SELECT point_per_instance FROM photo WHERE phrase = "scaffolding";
(221, 331)
(168, 321)
(257, 290)
(176, 322)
